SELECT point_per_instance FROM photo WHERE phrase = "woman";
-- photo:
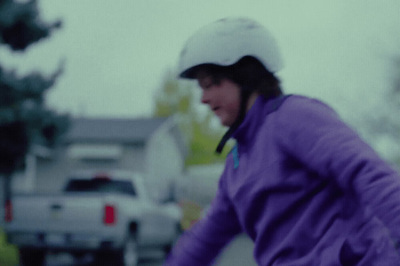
(300, 182)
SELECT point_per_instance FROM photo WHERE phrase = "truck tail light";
(110, 214)
(8, 213)
(102, 176)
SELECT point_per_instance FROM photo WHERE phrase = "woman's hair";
(249, 74)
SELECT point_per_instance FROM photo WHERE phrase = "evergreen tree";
(24, 118)
(382, 123)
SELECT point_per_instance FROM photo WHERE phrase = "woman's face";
(223, 97)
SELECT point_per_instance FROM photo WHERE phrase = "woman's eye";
(206, 84)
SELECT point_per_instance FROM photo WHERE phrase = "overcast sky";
(116, 52)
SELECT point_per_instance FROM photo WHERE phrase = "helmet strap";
(244, 97)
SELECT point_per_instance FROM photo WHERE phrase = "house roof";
(112, 129)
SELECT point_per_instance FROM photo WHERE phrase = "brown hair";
(250, 74)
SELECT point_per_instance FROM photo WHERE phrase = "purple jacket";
(305, 188)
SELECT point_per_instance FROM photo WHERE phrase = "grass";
(8, 253)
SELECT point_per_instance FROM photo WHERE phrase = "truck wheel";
(126, 256)
(129, 255)
(167, 249)
(31, 257)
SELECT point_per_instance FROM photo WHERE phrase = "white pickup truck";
(107, 214)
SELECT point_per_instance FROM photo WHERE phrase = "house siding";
(164, 163)
(52, 173)
(152, 146)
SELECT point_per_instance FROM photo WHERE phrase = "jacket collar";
(247, 131)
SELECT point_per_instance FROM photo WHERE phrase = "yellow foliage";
(8, 253)
(192, 212)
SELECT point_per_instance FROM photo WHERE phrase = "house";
(153, 146)
(199, 183)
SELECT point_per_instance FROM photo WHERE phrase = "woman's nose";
(205, 97)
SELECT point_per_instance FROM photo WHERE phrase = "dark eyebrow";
(206, 81)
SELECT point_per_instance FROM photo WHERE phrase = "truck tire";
(167, 249)
(129, 255)
(126, 256)
(31, 257)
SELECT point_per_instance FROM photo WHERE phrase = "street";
(238, 253)
(151, 258)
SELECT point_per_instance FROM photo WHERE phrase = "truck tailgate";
(64, 212)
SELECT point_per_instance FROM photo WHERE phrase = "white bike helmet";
(226, 41)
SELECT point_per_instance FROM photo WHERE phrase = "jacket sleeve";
(202, 243)
(314, 134)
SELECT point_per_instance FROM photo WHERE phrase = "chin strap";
(244, 97)
(224, 139)
(273, 107)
